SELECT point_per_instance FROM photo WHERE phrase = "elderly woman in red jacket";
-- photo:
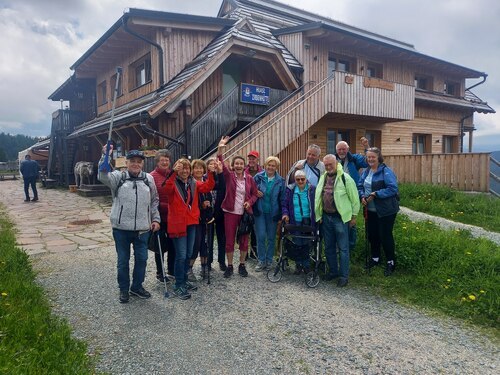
(241, 194)
(183, 216)
(160, 175)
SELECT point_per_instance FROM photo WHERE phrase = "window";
(421, 144)
(450, 144)
(140, 71)
(341, 64)
(451, 88)
(335, 136)
(374, 70)
(113, 86)
(423, 82)
(231, 76)
(373, 139)
(102, 97)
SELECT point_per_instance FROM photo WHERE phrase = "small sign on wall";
(253, 94)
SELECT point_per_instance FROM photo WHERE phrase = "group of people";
(192, 202)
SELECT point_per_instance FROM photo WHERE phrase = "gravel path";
(242, 326)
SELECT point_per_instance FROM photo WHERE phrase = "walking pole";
(166, 294)
(367, 244)
(105, 166)
(209, 240)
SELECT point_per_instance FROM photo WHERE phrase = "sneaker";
(260, 267)
(124, 296)
(389, 269)
(222, 266)
(268, 265)
(342, 282)
(191, 287)
(229, 271)
(242, 270)
(372, 263)
(35, 199)
(182, 293)
(191, 276)
(161, 280)
(27, 200)
(141, 293)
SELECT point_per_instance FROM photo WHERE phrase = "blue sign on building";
(253, 94)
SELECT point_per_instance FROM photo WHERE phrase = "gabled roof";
(246, 32)
(156, 15)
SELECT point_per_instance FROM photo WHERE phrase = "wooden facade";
(342, 84)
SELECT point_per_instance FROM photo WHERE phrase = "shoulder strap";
(121, 182)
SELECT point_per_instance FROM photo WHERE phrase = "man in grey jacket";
(312, 166)
(134, 212)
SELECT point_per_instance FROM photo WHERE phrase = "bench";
(49, 183)
(8, 176)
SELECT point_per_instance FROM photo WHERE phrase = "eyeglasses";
(300, 179)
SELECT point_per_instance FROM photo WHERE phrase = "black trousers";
(380, 235)
(167, 247)
(221, 240)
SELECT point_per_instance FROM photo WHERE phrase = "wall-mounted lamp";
(398, 139)
(314, 136)
(307, 45)
(437, 140)
(251, 53)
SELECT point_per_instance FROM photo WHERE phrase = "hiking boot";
(191, 276)
(141, 293)
(229, 271)
(34, 199)
(191, 287)
(124, 296)
(260, 267)
(372, 263)
(162, 280)
(182, 293)
(389, 269)
(242, 270)
(27, 200)
(222, 266)
(342, 282)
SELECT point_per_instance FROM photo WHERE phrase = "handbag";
(246, 224)
(153, 242)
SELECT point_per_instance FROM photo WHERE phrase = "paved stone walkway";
(43, 230)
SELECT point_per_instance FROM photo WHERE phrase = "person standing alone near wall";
(29, 169)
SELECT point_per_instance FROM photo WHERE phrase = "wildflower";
(416, 228)
(40, 335)
(468, 253)
(4, 294)
(449, 280)
(482, 291)
(446, 286)
(472, 297)
(463, 299)
(404, 228)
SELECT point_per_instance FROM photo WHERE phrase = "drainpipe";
(158, 47)
(479, 83)
(462, 134)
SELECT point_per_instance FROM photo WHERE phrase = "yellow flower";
(4, 294)
(449, 280)
(463, 298)
(416, 228)
(468, 253)
(482, 291)
(404, 228)
(472, 297)
(446, 286)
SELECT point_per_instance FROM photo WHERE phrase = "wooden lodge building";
(274, 77)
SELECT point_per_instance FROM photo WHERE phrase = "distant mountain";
(10, 145)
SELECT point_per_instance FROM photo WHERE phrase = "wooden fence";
(467, 172)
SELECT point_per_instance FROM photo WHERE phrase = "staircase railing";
(219, 120)
(293, 117)
(494, 179)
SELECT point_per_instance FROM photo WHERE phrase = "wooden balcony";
(364, 96)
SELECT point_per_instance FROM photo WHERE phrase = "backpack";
(142, 177)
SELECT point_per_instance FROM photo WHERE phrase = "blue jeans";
(30, 181)
(265, 230)
(336, 234)
(123, 240)
(183, 252)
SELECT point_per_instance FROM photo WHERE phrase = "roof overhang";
(172, 101)
(451, 101)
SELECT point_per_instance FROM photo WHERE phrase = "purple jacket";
(230, 179)
(288, 204)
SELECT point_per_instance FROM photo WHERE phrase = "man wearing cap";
(29, 169)
(252, 169)
(133, 214)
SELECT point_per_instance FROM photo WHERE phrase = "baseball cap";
(254, 154)
(135, 154)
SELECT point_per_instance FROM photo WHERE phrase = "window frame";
(451, 142)
(135, 72)
(377, 67)
(455, 91)
(426, 143)
(339, 135)
(336, 59)
(102, 93)
(429, 82)
(112, 83)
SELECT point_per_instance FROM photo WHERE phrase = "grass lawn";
(446, 271)
(32, 340)
(476, 209)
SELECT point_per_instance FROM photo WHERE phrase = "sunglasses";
(300, 179)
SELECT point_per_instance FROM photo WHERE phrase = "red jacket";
(230, 179)
(160, 176)
(183, 207)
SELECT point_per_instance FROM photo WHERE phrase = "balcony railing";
(365, 96)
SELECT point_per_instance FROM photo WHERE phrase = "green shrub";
(32, 341)
(476, 209)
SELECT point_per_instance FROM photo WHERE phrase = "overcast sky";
(41, 39)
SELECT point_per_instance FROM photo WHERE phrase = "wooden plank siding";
(467, 172)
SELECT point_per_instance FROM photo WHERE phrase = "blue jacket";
(353, 163)
(385, 187)
(277, 195)
(29, 168)
(288, 204)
